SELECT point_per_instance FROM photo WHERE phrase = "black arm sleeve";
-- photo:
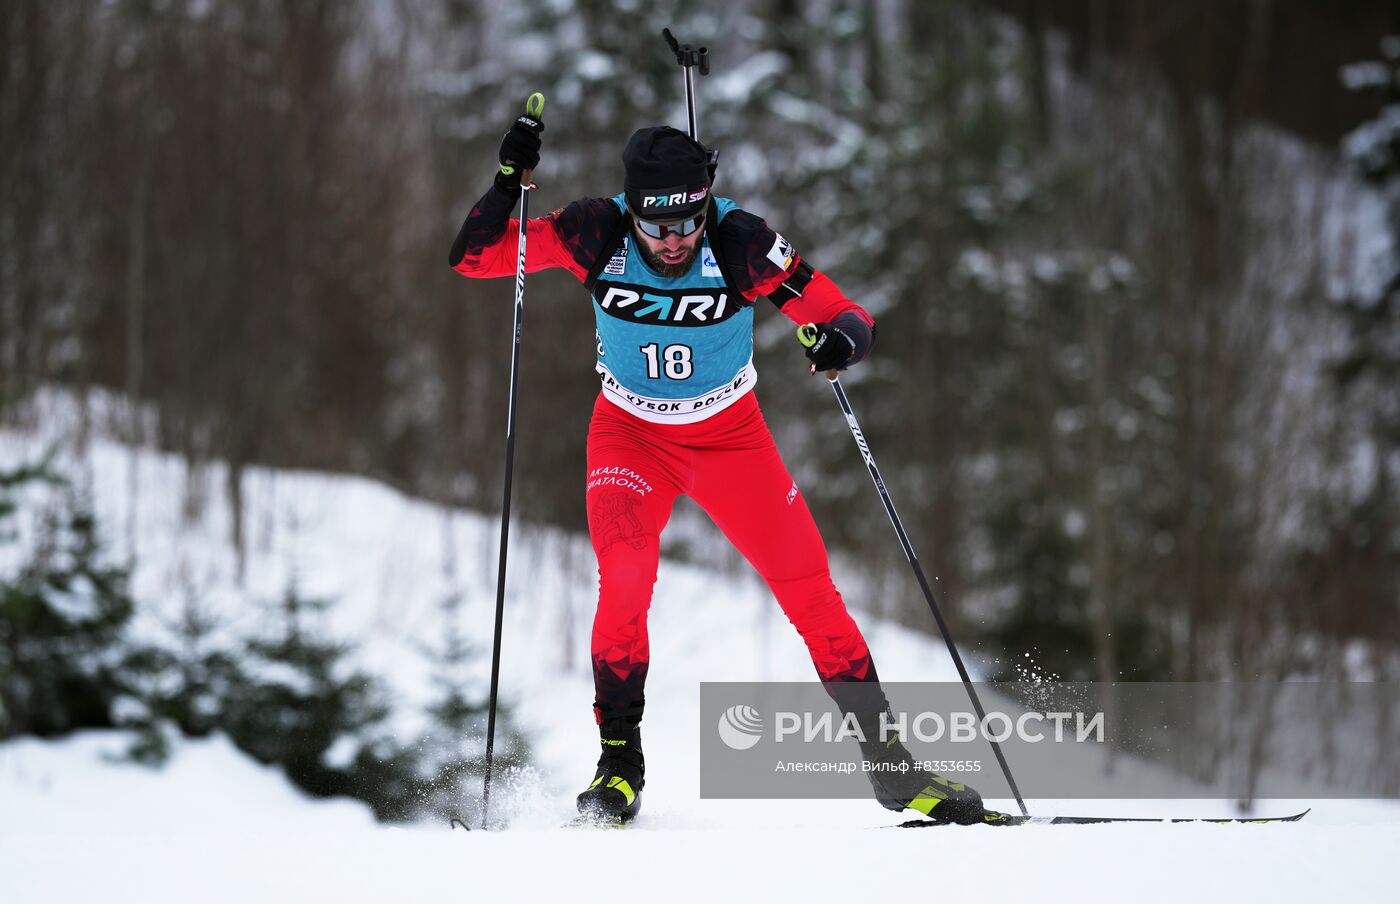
(484, 226)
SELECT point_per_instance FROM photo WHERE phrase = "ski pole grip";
(807, 335)
(686, 55)
(534, 108)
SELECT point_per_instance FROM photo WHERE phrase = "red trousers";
(730, 466)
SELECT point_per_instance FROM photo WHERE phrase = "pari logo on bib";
(644, 304)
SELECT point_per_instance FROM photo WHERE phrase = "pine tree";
(300, 705)
(454, 748)
(1355, 571)
(180, 687)
(64, 609)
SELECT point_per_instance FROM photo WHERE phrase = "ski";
(598, 821)
(993, 818)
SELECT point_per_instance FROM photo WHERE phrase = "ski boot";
(899, 784)
(615, 795)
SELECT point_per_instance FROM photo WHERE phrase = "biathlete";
(675, 275)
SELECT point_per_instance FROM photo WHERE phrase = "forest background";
(1136, 269)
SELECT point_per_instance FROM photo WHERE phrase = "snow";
(77, 824)
(52, 787)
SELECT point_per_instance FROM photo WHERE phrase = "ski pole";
(534, 107)
(807, 335)
(691, 58)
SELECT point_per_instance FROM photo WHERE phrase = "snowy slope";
(213, 826)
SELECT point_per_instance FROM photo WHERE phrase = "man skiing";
(675, 274)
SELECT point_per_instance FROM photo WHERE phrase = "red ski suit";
(727, 462)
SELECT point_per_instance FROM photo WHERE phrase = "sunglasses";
(682, 229)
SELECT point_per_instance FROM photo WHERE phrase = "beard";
(663, 269)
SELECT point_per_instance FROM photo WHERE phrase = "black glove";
(520, 150)
(832, 350)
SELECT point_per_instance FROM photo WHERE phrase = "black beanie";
(667, 175)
